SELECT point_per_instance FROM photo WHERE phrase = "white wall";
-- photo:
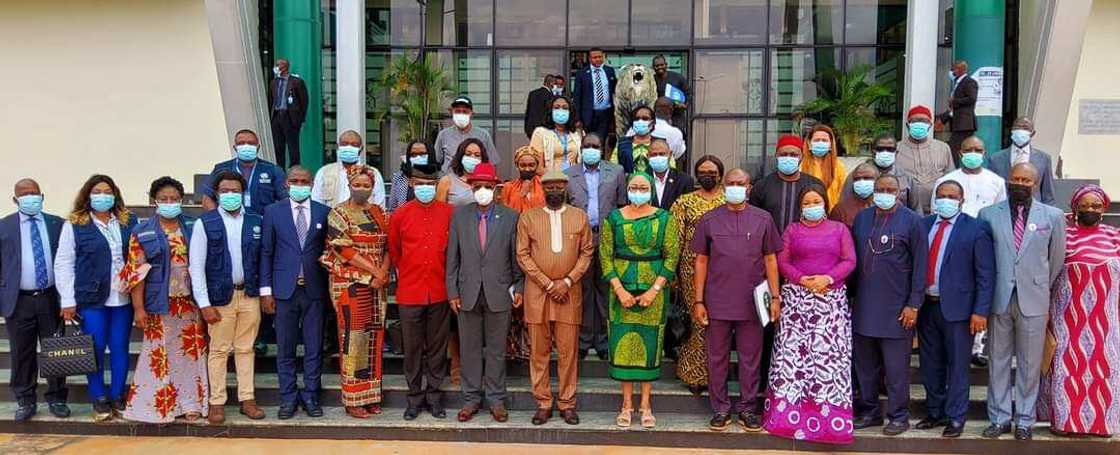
(125, 88)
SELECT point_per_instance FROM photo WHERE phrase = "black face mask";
(1018, 193)
(555, 199)
(527, 175)
(1088, 218)
(707, 182)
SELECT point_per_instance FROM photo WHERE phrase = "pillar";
(233, 31)
(978, 38)
(350, 63)
(921, 54)
(298, 38)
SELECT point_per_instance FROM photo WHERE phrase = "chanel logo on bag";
(67, 352)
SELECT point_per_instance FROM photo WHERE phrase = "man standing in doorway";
(539, 105)
(287, 96)
(679, 95)
(961, 116)
(593, 95)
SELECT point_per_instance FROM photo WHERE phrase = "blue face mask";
(884, 159)
(348, 154)
(418, 160)
(735, 194)
(813, 213)
(169, 210)
(919, 130)
(299, 193)
(469, 163)
(863, 188)
(246, 152)
(788, 164)
(230, 202)
(101, 202)
(1020, 137)
(641, 127)
(424, 193)
(638, 197)
(30, 204)
(820, 149)
(560, 116)
(946, 208)
(659, 164)
(591, 156)
(885, 201)
(972, 160)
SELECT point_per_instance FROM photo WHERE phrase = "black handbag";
(67, 355)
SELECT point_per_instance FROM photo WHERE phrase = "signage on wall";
(989, 96)
(1098, 117)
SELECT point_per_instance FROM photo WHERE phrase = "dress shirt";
(418, 237)
(556, 228)
(343, 188)
(67, 259)
(27, 254)
(233, 225)
(662, 129)
(659, 184)
(1021, 155)
(592, 177)
(282, 93)
(934, 288)
(306, 204)
(599, 76)
(980, 190)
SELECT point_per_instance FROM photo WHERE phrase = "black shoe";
(750, 421)
(286, 411)
(979, 360)
(118, 406)
(26, 412)
(1023, 434)
(411, 413)
(930, 423)
(312, 407)
(438, 411)
(720, 421)
(60, 410)
(866, 422)
(583, 354)
(896, 428)
(541, 416)
(953, 430)
(260, 348)
(696, 390)
(995, 430)
(102, 410)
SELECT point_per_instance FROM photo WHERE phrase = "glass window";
(520, 72)
(729, 81)
(775, 128)
(806, 21)
(469, 72)
(509, 135)
(793, 74)
(330, 103)
(875, 22)
(887, 67)
(736, 142)
(395, 22)
(731, 22)
(660, 22)
(530, 23)
(461, 22)
(598, 23)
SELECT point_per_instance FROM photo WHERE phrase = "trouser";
(1013, 334)
(299, 315)
(955, 141)
(944, 354)
(285, 139)
(330, 330)
(110, 328)
(600, 123)
(482, 353)
(768, 334)
(266, 333)
(593, 330)
(876, 358)
(234, 333)
(541, 337)
(425, 329)
(747, 338)
(34, 318)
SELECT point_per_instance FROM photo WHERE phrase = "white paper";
(762, 302)
(989, 94)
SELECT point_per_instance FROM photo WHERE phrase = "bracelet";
(656, 288)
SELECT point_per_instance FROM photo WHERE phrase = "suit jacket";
(612, 188)
(282, 255)
(537, 109)
(1032, 269)
(961, 115)
(968, 268)
(1000, 163)
(583, 93)
(472, 270)
(297, 90)
(542, 265)
(11, 256)
(676, 185)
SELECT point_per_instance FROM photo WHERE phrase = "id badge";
(248, 199)
(290, 99)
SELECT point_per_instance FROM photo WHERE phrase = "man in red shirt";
(418, 233)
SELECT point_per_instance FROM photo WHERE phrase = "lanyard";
(563, 142)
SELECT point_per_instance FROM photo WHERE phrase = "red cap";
(919, 109)
(791, 140)
(483, 172)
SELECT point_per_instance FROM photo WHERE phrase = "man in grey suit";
(484, 281)
(1022, 151)
(597, 186)
(1030, 246)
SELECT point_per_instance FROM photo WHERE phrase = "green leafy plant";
(416, 90)
(847, 102)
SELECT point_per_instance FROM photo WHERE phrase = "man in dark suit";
(1022, 151)
(294, 288)
(961, 116)
(962, 257)
(484, 282)
(287, 96)
(594, 95)
(668, 183)
(264, 180)
(538, 105)
(28, 299)
(663, 77)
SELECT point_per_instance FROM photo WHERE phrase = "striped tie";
(1019, 220)
(600, 91)
(301, 230)
(39, 254)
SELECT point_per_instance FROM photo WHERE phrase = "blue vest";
(219, 265)
(157, 252)
(93, 264)
(626, 154)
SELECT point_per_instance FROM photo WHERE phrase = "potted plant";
(847, 102)
(416, 90)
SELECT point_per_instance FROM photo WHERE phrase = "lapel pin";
(1032, 226)
(883, 240)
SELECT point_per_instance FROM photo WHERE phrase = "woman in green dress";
(639, 249)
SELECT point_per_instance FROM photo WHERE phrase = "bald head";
(350, 137)
(1023, 174)
(972, 144)
(26, 186)
(1023, 123)
(737, 177)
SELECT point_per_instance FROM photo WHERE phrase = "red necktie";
(934, 250)
(482, 231)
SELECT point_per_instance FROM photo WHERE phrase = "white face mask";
(484, 196)
(461, 120)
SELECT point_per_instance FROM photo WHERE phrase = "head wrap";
(919, 109)
(359, 170)
(526, 150)
(789, 140)
(1089, 189)
(635, 175)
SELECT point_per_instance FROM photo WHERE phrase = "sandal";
(192, 417)
(648, 420)
(357, 412)
(623, 419)
(373, 409)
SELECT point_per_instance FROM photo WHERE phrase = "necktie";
(600, 91)
(482, 231)
(1019, 229)
(40, 255)
(934, 250)
(281, 93)
(301, 230)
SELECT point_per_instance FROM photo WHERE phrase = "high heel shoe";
(624, 417)
(648, 420)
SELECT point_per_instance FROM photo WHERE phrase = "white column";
(921, 53)
(351, 65)
(233, 32)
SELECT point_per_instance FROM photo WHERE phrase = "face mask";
(30, 204)
(863, 188)
(169, 210)
(1018, 193)
(707, 182)
(919, 130)
(659, 163)
(884, 159)
(560, 116)
(527, 175)
(424, 193)
(641, 127)
(101, 202)
(461, 120)
(246, 152)
(1020, 137)
(230, 202)
(348, 154)
(813, 213)
(638, 197)
(735, 194)
(484, 196)
(788, 164)
(360, 195)
(1088, 218)
(820, 149)
(952, 77)
(276, 71)
(469, 163)
(591, 156)
(555, 199)
(418, 160)
(972, 160)
(946, 208)
(557, 91)
(885, 201)
(299, 193)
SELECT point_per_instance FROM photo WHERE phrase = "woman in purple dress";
(810, 393)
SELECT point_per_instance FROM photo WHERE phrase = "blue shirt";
(592, 177)
(27, 254)
(934, 288)
(282, 94)
(599, 76)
